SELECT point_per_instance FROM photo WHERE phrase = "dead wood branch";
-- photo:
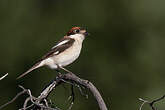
(41, 102)
(3, 76)
(151, 103)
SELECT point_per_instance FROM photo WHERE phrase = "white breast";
(69, 55)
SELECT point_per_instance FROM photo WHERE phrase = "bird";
(65, 52)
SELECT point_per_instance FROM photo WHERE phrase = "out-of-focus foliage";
(124, 56)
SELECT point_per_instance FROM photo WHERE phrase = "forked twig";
(11, 101)
(151, 103)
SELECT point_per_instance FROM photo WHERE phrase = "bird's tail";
(37, 65)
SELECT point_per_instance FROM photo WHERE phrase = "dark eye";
(77, 31)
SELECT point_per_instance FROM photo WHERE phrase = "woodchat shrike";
(64, 52)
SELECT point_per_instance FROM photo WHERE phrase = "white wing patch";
(61, 43)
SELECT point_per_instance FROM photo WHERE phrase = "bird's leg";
(58, 69)
(64, 69)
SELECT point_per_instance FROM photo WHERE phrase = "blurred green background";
(124, 56)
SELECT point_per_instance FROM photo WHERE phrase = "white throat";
(78, 37)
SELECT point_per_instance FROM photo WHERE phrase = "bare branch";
(19, 94)
(3, 76)
(73, 78)
(151, 103)
(41, 103)
(144, 101)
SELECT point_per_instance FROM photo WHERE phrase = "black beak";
(86, 34)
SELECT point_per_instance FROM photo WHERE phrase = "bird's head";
(77, 32)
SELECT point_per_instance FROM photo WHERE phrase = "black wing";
(59, 48)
